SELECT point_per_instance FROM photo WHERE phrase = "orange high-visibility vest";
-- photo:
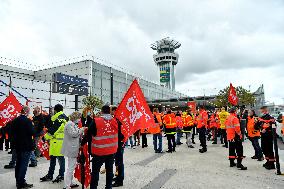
(157, 127)
(202, 119)
(252, 132)
(187, 121)
(232, 127)
(106, 140)
(170, 121)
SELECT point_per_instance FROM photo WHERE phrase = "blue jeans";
(33, 158)
(179, 134)
(22, 163)
(120, 165)
(52, 165)
(157, 137)
(130, 140)
(14, 158)
(97, 163)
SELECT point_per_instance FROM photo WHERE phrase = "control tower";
(166, 59)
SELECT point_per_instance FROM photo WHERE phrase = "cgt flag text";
(133, 111)
(9, 109)
(232, 96)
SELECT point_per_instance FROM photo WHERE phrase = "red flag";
(44, 148)
(78, 169)
(133, 111)
(192, 106)
(9, 109)
(232, 97)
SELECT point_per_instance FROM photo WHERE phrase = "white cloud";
(237, 40)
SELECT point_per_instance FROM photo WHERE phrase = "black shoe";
(33, 165)
(232, 163)
(241, 167)
(117, 184)
(74, 186)
(10, 152)
(225, 146)
(46, 178)
(193, 142)
(169, 151)
(265, 164)
(58, 179)
(190, 146)
(25, 186)
(9, 166)
(254, 157)
(260, 159)
(203, 150)
(214, 142)
(270, 166)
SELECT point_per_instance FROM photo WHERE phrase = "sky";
(222, 41)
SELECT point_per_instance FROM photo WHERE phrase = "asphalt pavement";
(184, 169)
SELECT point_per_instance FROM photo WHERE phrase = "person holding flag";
(157, 131)
(234, 136)
(119, 154)
(103, 132)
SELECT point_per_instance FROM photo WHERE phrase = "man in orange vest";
(157, 132)
(188, 124)
(201, 126)
(234, 137)
(254, 135)
(170, 124)
(265, 123)
(103, 132)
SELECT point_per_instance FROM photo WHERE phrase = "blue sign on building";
(68, 79)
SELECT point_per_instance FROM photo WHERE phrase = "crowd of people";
(102, 132)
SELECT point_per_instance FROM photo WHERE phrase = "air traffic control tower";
(166, 59)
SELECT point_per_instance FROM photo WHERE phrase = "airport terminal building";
(107, 83)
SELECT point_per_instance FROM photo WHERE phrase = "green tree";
(245, 97)
(92, 102)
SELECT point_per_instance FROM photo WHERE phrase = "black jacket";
(39, 122)
(23, 132)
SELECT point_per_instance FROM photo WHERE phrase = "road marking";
(161, 179)
(149, 159)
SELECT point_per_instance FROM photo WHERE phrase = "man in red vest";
(103, 134)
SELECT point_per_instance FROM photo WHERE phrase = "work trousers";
(171, 142)
(267, 146)
(236, 149)
(68, 178)
(97, 163)
(202, 137)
